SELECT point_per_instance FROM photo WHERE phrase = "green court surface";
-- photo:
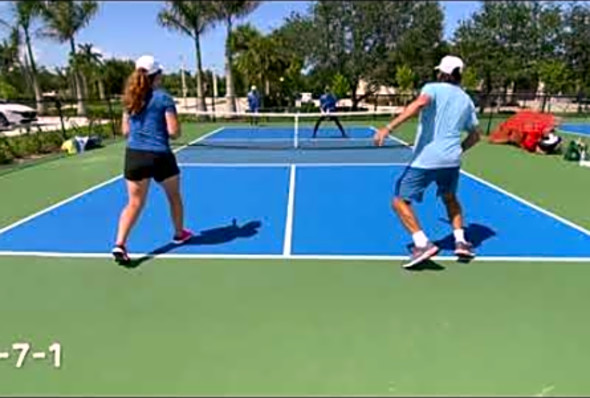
(298, 327)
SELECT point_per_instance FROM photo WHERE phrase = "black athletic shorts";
(140, 165)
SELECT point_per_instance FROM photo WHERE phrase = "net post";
(296, 132)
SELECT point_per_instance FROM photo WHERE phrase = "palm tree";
(246, 58)
(24, 12)
(9, 51)
(191, 18)
(63, 20)
(258, 57)
(90, 62)
(227, 11)
(65, 77)
(9, 61)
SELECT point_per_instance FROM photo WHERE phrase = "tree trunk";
(34, 80)
(229, 82)
(353, 97)
(85, 91)
(488, 90)
(77, 84)
(101, 93)
(71, 84)
(26, 72)
(201, 101)
(505, 93)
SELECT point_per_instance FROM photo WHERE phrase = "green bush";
(25, 145)
(309, 107)
(50, 142)
(5, 154)
(38, 143)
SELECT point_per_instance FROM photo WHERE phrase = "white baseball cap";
(449, 63)
(253, 88)
(148, 63)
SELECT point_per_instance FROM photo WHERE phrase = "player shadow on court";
(214, 236)
(474, 233)
(428, 265)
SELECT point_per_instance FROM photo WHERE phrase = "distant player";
(253, 104)
(445, 112)
(327, 105)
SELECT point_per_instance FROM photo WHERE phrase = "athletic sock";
(420, 239)
(459, 235)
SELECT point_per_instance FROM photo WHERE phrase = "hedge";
(34, 144)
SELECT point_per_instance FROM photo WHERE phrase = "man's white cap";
(253, 88)
(449, 63)
(148, 63)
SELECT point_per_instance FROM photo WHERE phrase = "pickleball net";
(290, 131)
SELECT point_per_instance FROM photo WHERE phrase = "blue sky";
(129, 29)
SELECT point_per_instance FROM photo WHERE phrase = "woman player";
(149, 121)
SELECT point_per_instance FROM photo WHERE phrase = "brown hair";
(137, 90)
(453, 78)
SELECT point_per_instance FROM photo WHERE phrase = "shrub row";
(40, 143)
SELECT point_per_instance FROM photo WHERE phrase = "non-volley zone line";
(315, 257)
(91, 189)
(288, 164)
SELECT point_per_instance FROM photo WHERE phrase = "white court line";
(290, 210)
(281, 139)
(58, 204)
(201, 138)
(289, 164)
(548, 213)
(529, 204)
(89, 190)
(293, 257)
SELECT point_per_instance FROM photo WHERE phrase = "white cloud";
(23, 53)
(99, 51)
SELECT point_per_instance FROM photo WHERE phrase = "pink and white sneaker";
(421, 254)
(464, 250)
(121, 255)
(184, 237)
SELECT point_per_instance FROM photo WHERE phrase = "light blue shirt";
(450, 112)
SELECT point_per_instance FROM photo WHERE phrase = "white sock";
(420, 239)
(459, 235)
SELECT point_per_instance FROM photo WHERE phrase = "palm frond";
(26, 11)
(4, 24)
(187, 17)
(168, 19)
(63, 19)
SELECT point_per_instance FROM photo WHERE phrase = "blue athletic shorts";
(413, 182)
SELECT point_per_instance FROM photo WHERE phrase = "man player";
(327, 105)
(445, 111)
(253, 104)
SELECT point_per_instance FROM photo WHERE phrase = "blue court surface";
(582, 129)
(332, 203)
